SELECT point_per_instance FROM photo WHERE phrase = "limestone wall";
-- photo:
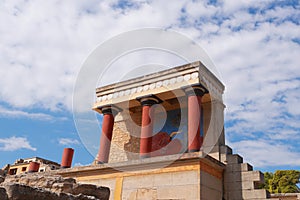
(176, 185)
(125, 143)
(211, 187)
(190, 177)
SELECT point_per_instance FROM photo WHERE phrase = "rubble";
(48, 186)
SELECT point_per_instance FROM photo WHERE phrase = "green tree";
(282, 181)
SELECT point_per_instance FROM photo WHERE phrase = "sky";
(254, 44)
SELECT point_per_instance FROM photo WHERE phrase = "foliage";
(282, 181)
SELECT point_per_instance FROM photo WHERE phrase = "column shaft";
(147, 123)
(67, 157)
(107, 129)
(194, 113)
(146, 132)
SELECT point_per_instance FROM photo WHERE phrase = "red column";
(147, 124)
(107, 130)
(195, 94)
(67, 157)
(33, 167)
(146, 132)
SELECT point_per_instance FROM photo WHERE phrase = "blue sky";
(254, 45)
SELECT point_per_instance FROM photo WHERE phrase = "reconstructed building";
(35, 164)
(163, 138)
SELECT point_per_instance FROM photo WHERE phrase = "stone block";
(210, 181)
(3, 195)
(146, 193)
(62, 187)
(253, 176)
(234, 159)
(110, 183)
(91, 190)
(225, 150)
(129, 194)
(241, 167)
(185, 178)
(164, 179)
(208, 193)
(255, 194)
(247, 195)
(244, 185)
(234, 195)
(230, 177)
(146, 181)
(22, 192)
(188, 192)
(215, 155)
(2, 178)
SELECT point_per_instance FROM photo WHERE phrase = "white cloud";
(257, 55)
(15, 143)
(12, 113)
(68, 141)
(78, 164)
(262, 153)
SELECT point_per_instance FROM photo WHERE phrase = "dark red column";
(67, 157)
(107, 130)
(195, 94)
(147, 124)
(146, 132)
(33, 167)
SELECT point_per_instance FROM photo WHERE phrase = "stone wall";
(240, 181)
(165, 184)
(158, 178)
(125, 143)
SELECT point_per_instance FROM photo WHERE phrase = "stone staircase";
(240, 181)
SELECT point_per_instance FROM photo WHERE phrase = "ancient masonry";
(48, 186)
(163, 138)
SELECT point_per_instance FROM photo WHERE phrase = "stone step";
(234, 159)
(255, 194)
(254, 176)
(240, 167)
(242, 185)
(248, 194)
(225, 150)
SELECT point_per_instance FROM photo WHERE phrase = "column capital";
(109, 109)
(195, 90)
(149, 100)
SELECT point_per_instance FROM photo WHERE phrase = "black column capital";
(149, 100)
(110, 109)
(195, 90)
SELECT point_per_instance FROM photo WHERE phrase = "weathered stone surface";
(2, 172)
(125, 143)
(2, 178)
(3, 195)
(23, 192)
(43, 180)
(91, 190)
(62, 187)
(53, 186)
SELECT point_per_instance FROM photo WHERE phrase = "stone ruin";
(185, 159)
(48, 186)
